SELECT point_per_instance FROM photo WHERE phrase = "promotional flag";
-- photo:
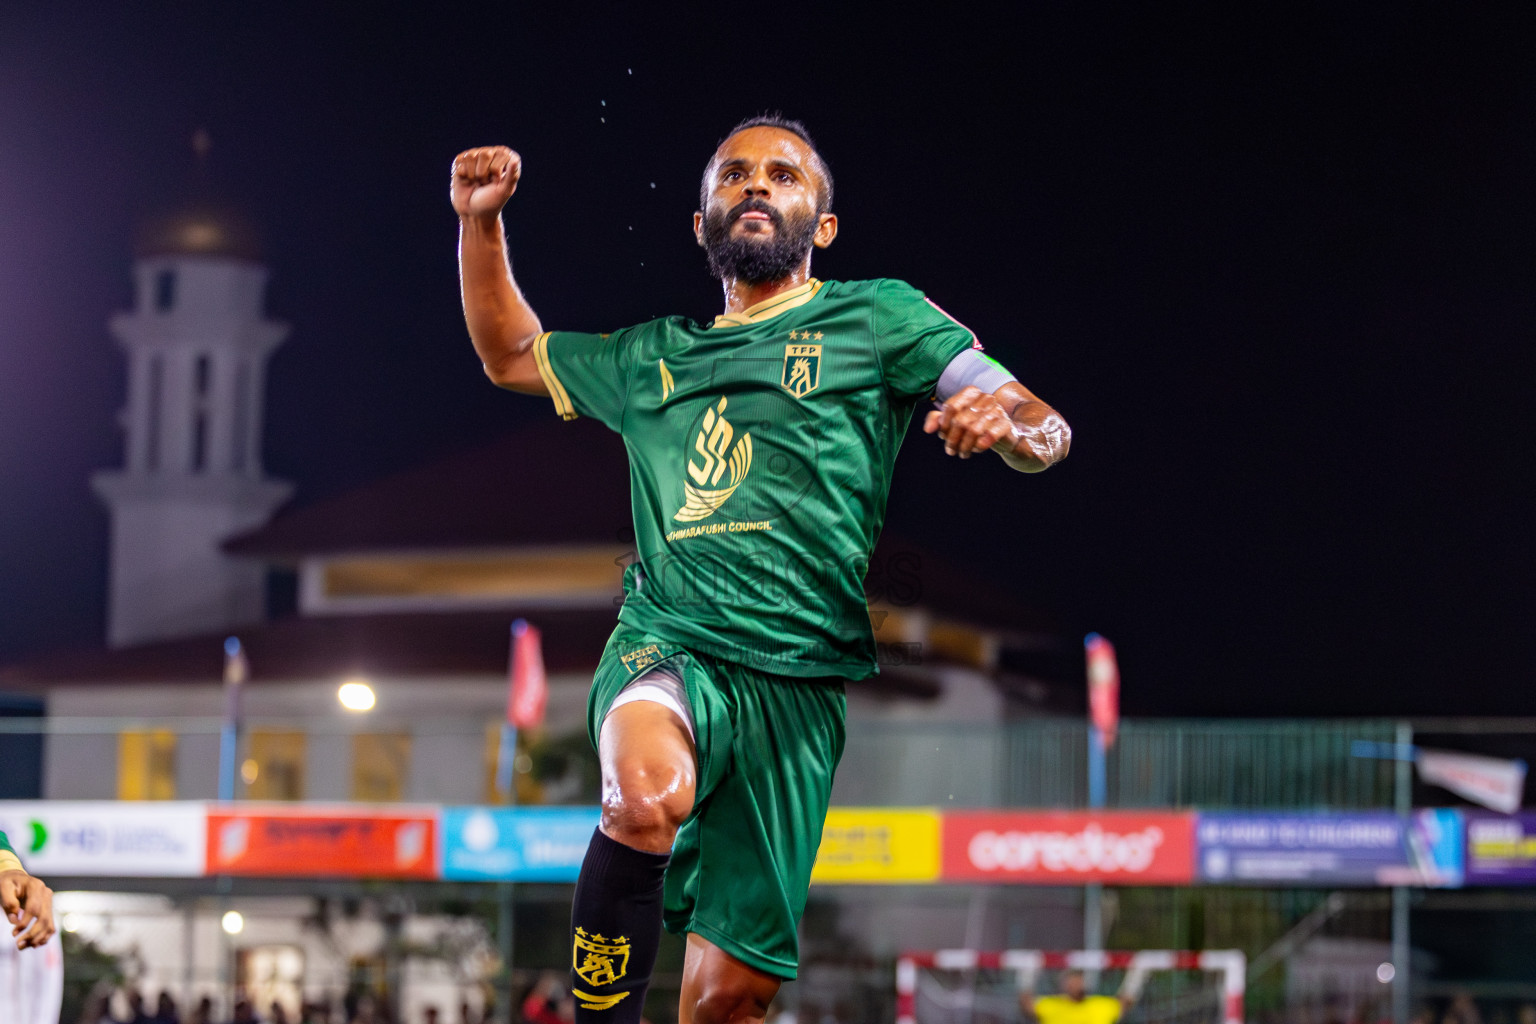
(1494, 782)
(529, 689)
(1103, 687)
(527, 694)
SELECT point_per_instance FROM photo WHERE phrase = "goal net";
(1156, 986)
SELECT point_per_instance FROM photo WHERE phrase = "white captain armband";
(972, 368)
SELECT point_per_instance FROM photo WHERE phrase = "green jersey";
(761, 448)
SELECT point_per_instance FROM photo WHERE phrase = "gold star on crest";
(818, 335)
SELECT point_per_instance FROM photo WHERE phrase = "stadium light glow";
(356, 695)
(233, 922)
(71, 922)
(249, 770)
(1385, 973)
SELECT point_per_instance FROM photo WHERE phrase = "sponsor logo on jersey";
(802, 367)
(636, 660)
(717, 456)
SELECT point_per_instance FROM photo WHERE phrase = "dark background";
(1274, 264)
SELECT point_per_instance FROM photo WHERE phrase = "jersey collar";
(770, 308)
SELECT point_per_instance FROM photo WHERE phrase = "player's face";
(760, 215)
(1073, 984)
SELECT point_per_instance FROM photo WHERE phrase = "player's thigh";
(717, 987)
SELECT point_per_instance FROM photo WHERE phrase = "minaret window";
(242, 415)
(165, 290)
(201, 371)
(152, 432)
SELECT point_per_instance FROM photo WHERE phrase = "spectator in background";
(317, 1013)
(543, 1003)
(165, 1009)
(430, 1015)
(244, 1013)
(136, 1012)
(1462, 1011)
(278, 1013)
(204, 1012)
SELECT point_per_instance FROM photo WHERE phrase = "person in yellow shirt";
(26, 901)
(1074, 1005)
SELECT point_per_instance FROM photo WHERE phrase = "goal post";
(1011, 971)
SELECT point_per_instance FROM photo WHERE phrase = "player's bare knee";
(730, 1001)
(644, 807)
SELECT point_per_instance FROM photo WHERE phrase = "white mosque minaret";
(197, 342)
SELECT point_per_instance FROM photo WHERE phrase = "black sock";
(616, 926)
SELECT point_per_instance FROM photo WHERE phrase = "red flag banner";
(529, 688)
(1103, 687)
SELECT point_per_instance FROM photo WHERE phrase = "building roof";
(295, 648)
(549, 483)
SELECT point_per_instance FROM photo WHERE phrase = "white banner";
(108, 839)
(31, 982)
(1490, 781)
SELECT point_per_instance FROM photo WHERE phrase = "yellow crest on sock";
(599, 961)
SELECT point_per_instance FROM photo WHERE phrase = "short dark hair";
(794, 127)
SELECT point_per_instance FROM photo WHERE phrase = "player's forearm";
(1041, 438)
(501, 324)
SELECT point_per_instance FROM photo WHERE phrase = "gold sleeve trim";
(10, 862)
(557, 390)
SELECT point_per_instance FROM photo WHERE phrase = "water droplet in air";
(630, 70)
(603, 119)
(603, 102)
(653, 184)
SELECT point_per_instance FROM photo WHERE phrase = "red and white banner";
(529, 689)
(1069, 847)
(274, 840)
(1491, 781)
(1103, 687)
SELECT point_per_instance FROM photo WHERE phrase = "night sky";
(1274, 264)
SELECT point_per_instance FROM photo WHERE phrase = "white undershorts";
(661, 685)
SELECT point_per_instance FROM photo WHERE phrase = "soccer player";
(27, 902)
(1074, 1005)
(761, 446)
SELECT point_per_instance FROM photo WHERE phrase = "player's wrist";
(481, 223)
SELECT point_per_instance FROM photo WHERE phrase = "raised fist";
(484, 179)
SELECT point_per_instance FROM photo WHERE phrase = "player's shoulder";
(874, 288)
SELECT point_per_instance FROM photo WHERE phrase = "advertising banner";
(277, 841)
(878, 845)
(1501, 849)
(516, 844)
(1370, 848)
(1495, 782)
(1069, 847)
(141, 839)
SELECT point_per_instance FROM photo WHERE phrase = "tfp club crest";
(599, 961)
(802, 368)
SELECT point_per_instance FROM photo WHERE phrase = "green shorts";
(768, 746)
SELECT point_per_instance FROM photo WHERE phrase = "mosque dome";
(200, 225)
(199, 230)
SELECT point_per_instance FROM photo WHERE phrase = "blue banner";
(515, 844)
(1370, 848)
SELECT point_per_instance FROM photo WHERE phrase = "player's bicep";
(518, 373)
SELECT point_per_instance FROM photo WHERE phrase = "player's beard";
(749, 257)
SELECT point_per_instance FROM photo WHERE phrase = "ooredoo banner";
(1069, 847)
(322, 842)
(91, 838)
